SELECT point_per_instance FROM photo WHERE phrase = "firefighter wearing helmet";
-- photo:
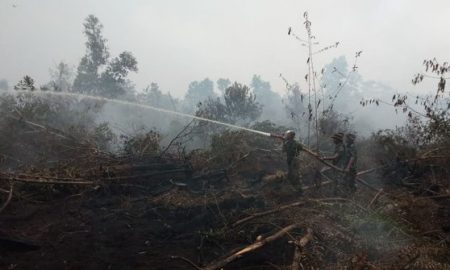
(292, 149)
(337, 159)
(350, 159)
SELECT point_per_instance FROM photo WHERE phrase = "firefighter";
(292, 149)
(350, 159)
(339, 150)
(337, 159)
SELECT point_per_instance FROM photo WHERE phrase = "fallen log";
(256, 245)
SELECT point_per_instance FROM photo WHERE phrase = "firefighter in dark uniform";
(337, 159)
(351, 157)
(339, 150)
(292, 149)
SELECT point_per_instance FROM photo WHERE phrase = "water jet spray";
(149, 107)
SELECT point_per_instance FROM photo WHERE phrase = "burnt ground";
(164, 221)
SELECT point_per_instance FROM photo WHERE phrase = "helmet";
(289, 134)
(338, 136)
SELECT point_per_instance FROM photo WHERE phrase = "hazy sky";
(178, 41)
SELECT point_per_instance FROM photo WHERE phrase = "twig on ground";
(299, 247)
(371, 170)
(265, 213)
(186, 260)
(375, 198)
(284, 207)
(48, 182)
(256, 245)
(176, 138)
(10, 195)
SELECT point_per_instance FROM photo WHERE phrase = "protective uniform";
(338, 160)
(350, 152)
(292, 149)
(339, 150)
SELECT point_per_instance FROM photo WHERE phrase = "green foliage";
(96, 56)
(262, 88)
(229, 146)
(27, 83)
(388, 148)
(293, 105)
(142, 144)
(433, 126)
(240, 104)
(425, 129)
(61, 78)
(197, 92)
(270, 127)
(391, 145)
(212, 109)
(103, 135)
(119, 67)
(153, 96)
(332, 122)
(268, 99)
(112, 81)
(222, 84)
(97, 51)
(36, 130)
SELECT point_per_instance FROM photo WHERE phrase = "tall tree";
(27, 83)
(222, 84)
(97, 55)
(294, 106)
(112, 81)
(61, 77)
(342, 83)
(239, 106)
(153, 95)
(241, 103)
(197, 92)
(270, 100)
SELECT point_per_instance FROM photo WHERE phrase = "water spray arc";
(147, 107)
